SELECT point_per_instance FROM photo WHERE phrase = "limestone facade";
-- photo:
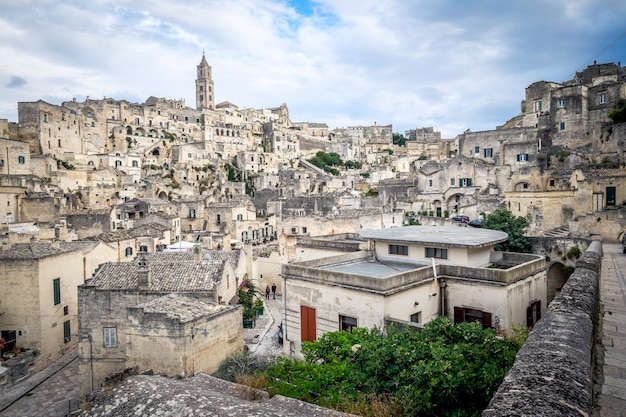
(39, 300)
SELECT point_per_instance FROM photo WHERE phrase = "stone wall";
(552, 372)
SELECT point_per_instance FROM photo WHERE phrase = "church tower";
(204, 86)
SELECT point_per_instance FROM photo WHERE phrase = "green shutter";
(469, 182)
(56, 283)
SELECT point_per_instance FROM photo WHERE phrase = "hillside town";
(129, 225)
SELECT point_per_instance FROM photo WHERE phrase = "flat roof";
(452, 236)
(373, 268)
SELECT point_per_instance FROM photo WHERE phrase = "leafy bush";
(444, 370)
(243, 364)
(619, 114)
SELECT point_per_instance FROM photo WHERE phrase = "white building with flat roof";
(412, 275)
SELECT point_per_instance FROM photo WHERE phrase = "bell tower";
(204, 86)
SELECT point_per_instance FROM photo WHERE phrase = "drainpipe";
(285, 338)
(442, 299)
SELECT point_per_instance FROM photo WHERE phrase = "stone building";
(172, 300)
(414, 275)
(38, 300)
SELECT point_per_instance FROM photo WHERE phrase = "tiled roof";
(43, 250)
(182, 308)
(201, 395)
(114, 236)
(169, 272)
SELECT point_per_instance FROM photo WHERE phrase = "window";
(219, 219)
(438, 253)
(551, 183)
(538, 105)
(128, 251)
(462, 315)
(294, 230)
(561, 103)
(452, 182)
(346, 323)
(109, 337)
(521, 157)
(21, 159)
(416, 317)
(304, 229)
(402, 250)
(562, 126)
(602, 98)
(192, 213)
(93, 124)
(239, 217)
(45, 117)
(430, 183)
(135, 164)
(533, 314)
(67, 333)
(56, 287)
(476, 149)
(66, 310)
(308, 331)
(465, 182)
(143, 249)
(488, 152)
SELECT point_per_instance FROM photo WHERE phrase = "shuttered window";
(56, 287)
(462, 315)
(308, 330)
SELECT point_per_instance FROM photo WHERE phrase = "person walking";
(274, 290)
(267, 292)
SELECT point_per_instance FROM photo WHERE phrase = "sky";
(450, 65)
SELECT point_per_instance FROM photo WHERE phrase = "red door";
(307, 324)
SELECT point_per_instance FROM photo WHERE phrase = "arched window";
(129, 251)
(135, 164)
(21, 159)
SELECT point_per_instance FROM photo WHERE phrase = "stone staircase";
(562, 231)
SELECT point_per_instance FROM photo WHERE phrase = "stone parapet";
(552, 374)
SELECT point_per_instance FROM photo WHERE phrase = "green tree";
(399, 139)
(503, 220)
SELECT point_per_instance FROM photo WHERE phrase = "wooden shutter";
(459, 315)
(307, 324)
(486, 320)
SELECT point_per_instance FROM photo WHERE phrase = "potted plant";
(246, 293)
(258, 307)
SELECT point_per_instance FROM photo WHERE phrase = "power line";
(602, 51)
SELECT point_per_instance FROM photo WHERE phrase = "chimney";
(197, 252)
(143, 273)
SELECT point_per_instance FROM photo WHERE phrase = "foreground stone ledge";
(552, 373)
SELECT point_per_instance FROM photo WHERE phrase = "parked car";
(476, 223)
(462, 219)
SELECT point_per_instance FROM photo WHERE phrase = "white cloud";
(447, 64)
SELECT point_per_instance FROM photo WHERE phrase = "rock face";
(201, 395)
(552, 374)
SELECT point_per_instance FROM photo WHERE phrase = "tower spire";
(204, 85)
